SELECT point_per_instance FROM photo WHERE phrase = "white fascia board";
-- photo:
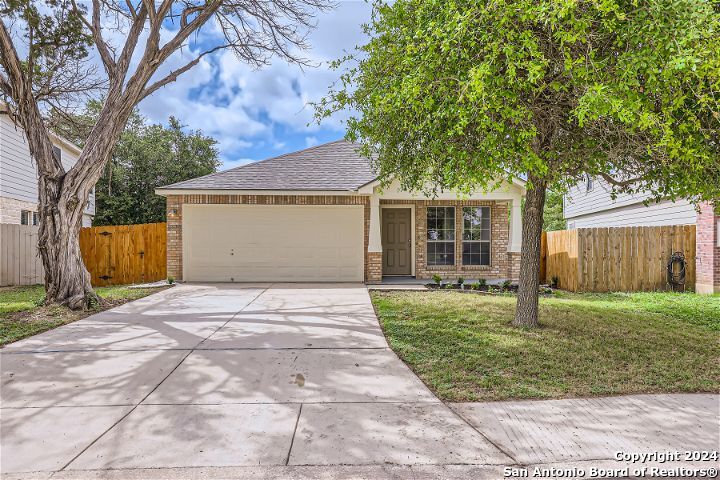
(510, 191)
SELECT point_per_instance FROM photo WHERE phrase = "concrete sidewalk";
(287, 381)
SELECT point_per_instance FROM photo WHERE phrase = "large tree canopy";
(48, 53)
(145, 157)
(463, 94)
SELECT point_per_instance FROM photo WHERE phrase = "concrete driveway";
(281, 380)
(225, 375)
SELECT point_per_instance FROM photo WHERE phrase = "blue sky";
(256, 114)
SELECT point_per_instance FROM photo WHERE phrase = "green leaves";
(458, 94)
(146, 157)
(51, 33)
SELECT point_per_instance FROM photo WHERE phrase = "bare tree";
(56, 38)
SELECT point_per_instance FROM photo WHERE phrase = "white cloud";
(243, 107)
(251, 112)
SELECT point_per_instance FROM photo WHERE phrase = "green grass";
(22, 313)
(463, 347)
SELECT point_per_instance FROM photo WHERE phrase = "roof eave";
(164, 192)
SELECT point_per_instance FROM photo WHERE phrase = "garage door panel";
(273, 243)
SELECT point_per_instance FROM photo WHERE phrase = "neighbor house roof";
(334, 166)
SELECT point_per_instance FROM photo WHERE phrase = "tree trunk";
(526, 312)
(67, 281)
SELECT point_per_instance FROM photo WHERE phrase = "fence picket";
(125, 253)
(618, 258)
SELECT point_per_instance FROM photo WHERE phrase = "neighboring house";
(19, 179)
(320, 215)
(589, 204)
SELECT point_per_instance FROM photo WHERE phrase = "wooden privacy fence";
(613, 259)
(121, 254)
(20, 262)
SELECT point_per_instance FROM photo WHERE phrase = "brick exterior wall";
(176, 202)
(10, 209)
(707, 250)
(502, 264)
(514, 266)
(373, 272)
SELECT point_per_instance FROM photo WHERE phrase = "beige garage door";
(261, 243)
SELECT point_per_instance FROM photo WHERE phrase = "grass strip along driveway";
(22, 313)
(463, 347)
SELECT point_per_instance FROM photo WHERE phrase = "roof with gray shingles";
(331, 166)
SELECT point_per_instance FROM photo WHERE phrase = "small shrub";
(460, 280)
(506, 285)
(554, 281)
(482, 282)
(437, 279)
(171, 280)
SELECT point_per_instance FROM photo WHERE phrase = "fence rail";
(20, 262)
(122, 254)
(618, 258)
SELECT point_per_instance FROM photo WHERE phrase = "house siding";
(596, 208)
(18, 174)
(659, 214)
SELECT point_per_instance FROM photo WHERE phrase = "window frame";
(589, 183)
(434, 242)
(57, 151)
(471, 241)
(29, 217)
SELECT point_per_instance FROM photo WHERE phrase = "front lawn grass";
(22, 313)
(463, 347)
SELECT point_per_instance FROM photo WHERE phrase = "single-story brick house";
(320, 215)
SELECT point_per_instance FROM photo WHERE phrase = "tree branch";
(133, 36)
(620, 183)
(19, 90)
(107, 57)
(95, 28)
(5, 85)
(186, 13)
(27, 108)
(176, 73)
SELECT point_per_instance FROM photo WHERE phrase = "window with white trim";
(476, 236)
(28, 218)
(441, 235)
